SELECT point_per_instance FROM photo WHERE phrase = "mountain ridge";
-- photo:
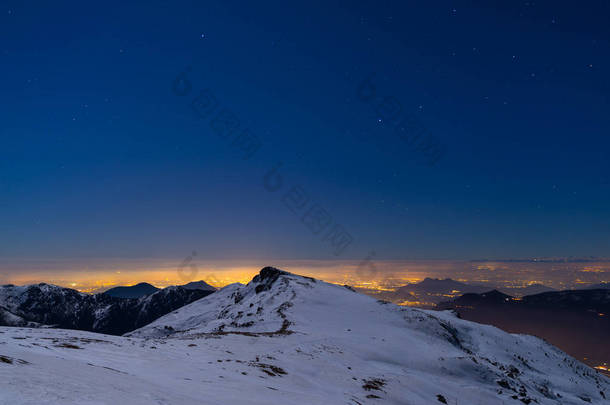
(284, 338)
(278, 304)
(47, 304)
(143, 289)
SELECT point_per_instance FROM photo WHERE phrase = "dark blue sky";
(101, 158)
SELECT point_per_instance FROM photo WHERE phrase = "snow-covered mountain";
(288, 339)
(48, 304)
(7, 318)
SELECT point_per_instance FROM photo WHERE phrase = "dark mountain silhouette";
(428, 292)
(490, 298)
(528, 290)
(439, 286)
(576, 321)
(199, 285)
(144, 289)
(432, 291)
(134, 291)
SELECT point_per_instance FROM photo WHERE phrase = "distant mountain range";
(426, 293)
(528, 290)
(577, 321)
(449, 286)
(134, 291)
(600, 286)
(590, 259)
(51, 305)
(439, 286)
(432, 291)
(199, 285)
(144, 289)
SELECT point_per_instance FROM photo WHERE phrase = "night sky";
(318, 130)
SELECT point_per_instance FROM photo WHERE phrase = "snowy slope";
(292, 340)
